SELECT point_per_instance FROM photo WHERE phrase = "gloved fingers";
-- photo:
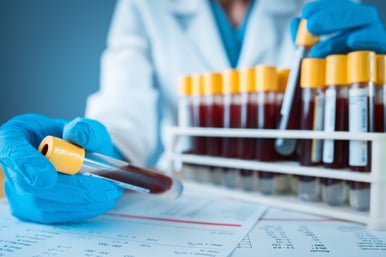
(19, 138)
(294, 24)
(80, 189)
(92, 135)
(31, 174)
(325, 17)
(28, 207)
(316, 6)
(22, 163)
(332, 45)
(32, 128)
(368, 38)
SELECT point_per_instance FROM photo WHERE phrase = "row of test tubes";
(337, 93)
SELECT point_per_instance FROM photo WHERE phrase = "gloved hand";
(349, 26)
(35, 191)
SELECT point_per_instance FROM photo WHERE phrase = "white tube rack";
(375, 218)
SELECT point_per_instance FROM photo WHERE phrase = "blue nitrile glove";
(349, 26)
(35, 191)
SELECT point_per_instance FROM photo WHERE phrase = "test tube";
(380, 94)
(185, 103)
(290, 108)
(214, 111)
(335, 152)
(267, 85)
(184, 110)
(361, 77)
(71, 159)
(285, 183)
(233, 118)
(249, 94)
(312, 108)
(198, 113)
(202, 173)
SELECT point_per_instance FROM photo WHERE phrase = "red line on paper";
(172, 220)
(300, 219)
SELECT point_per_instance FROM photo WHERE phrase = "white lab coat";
(153, 42)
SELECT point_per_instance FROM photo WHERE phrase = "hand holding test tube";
(291, 101)
(71, 159)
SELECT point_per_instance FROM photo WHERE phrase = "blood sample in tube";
(361, 77)
(233, 118)
(199, 120)
(267, 113)
(198, 111)
(380, 94)
(312, 113)
(249, 96)
(214, 118)
(214, 110)
(335, 152)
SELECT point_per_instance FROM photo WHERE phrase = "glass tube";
(233, 118)
(290, 108)
(312, 108)
(185, 120)
(214, 111)
(335, 152)
(71, 159)
(361, 76)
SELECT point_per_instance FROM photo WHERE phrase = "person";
(150, 44)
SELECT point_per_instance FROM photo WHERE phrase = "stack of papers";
(287, 233)
(197, 224)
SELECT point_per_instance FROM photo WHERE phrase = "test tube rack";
(375, 218)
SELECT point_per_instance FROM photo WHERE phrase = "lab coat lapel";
(196, 20)
(261, 34)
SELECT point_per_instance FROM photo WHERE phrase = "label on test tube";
(358, 123)
(318, 125)
(329, 125)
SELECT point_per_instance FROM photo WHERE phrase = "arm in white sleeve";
(126, 100)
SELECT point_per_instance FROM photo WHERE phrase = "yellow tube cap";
(381, 70)
(66, 157)
(185, 85)
(312, 73)
(231, 82)
(266, 78)
(212, 83)
(336, 69)
(304, 37)
(361, 67)
(282, 77)
(247, 80)
(198, 84)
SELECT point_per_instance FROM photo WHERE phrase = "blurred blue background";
(50, 53)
